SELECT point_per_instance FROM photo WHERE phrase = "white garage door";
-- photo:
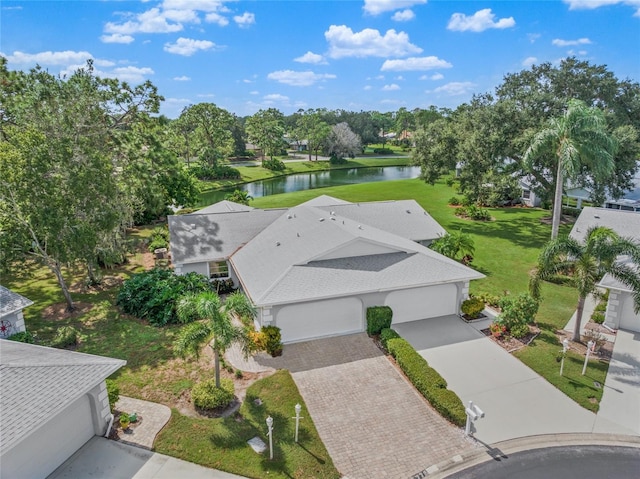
(629, 320)
(39, 454)
(421, 303)
(320, 318)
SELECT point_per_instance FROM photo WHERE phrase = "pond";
(315, 179)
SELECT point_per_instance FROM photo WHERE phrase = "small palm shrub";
(205, 394)
(454, 201)
(273, 165)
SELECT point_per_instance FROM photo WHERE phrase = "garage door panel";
(421, 303)
(320, 318)
(629, 320)
(40, 453)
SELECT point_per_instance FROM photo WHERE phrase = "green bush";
(153, 294)
(519, 309)
(450, 181)
(383, 151)
(206, 172)
(601, 306)
(472, 307)
(23, 337)
(569, 211)
(386, 334)
(597, 317)
(223, 286)
(113, 393)
(378, 318)
(205, 395)
(454, 201)
(519, 331)
(65, 336)
(449, 405)
(415, 366)
(492, 300)
(157, 243)
(273, 165)
(273, 340)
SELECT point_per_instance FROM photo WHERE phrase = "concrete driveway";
(371, 420)
(102, 458)
(620, 406)
(517, 401)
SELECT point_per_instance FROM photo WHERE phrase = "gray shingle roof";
(196, 238)
(625, 223)
(38, 382)
(11, 302)
(326, 200)
(224, 206)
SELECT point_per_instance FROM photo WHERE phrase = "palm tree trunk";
(216, 362)
(557, 204)
(579, 311)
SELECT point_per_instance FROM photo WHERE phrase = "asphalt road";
(575, 462)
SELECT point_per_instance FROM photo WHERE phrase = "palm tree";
(586, 263)
(239, 196)
(455, 244)
(214, 326)
(578, 138)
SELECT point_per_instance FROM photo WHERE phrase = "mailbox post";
(590, 346)
(473, 414)
(565, 346)
(270, 434)
(298, 408)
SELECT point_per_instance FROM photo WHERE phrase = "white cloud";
(66, 57)
(592, 4)
(367, 87)
(312, 58)
(182, 78)
(343, 42)
(293, 78)
(415, 64)
(456, 88)
(182, 101)
(558, 42)
(202, 5)
(151, 21)
(216, 18)
(254, 92)
(245, 19)
(527, 62)
(275, 97)
(391, 87)
(375, 7)
(116, 38)
(434, 77)
(478, 22)
(399, 78)
(403, 16)
(533, 37)
(128, 74)
(12, 8)
(206, 95)
(187, 46)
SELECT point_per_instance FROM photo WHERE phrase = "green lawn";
(506, 251)
(222, 443)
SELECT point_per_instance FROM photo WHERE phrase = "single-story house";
(11, 317)
(314, 269)
(620, 307)
(528, 195)
(53, 401)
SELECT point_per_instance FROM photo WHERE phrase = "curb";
(502, 449)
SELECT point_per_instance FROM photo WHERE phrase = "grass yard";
(506, 251)
(222, 443)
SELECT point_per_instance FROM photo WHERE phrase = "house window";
(526, 194)
(218, 269)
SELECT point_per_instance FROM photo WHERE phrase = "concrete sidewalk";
(102, 458)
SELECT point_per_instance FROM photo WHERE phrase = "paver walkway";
(153, 416)
(372, 421)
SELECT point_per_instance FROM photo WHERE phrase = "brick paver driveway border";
(370, 418)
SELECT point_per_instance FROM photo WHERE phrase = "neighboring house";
(528, 195)
(314, 269)
(11, 318)
(623, 204)
(579, 194)
(620, 310)
(53, 401)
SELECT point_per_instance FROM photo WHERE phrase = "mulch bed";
(603, 352)
(513, 344)
(58, 311)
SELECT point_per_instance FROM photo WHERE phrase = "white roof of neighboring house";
(224, 206)
(326, 200)
(625, 223)
(38, 382)
(11, 302)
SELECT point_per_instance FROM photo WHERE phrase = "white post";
(467, 427)
(298, 408)
(590, 345)
(270, 434)
(565, 346)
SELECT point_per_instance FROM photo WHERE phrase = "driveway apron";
(372, 421)
(620, 406)
(517, 401)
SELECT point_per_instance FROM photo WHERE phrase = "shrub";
(454, 201)
(597, 317)
(519, 331)
(23, 337)
(273, 340)
(273, 165)
(492, 300)
(520, 309)
(220, 172)
(65, 336)
(415, 366)
(386, 334)
(450, 181)
(157, 243)
(601, 306)
(153, 294)
(334, 160)
(497, 329)
(223, 286)
(113, 392)
(449, 405)
(383, 151)
(478, 214)
(205, 394)
(472, 307)
(378, 318)
(569, 211)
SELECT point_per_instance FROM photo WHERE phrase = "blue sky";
(354, 55)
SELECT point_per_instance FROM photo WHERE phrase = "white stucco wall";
(17, 323)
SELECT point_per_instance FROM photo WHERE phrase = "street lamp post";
(270, 434)
(590, 345)
(298, 408)
(565, 346)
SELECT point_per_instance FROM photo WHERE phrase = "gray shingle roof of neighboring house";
(326, 200)
(37, 382)
(196, 238)
(625, 223)
(224, 206)
(11, 302)
(277, 265)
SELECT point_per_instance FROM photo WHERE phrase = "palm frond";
(191, 338)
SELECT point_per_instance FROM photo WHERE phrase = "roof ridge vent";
(321, 220)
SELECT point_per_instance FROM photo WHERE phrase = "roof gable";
(224, 206)
(10, 302)
(357, 247)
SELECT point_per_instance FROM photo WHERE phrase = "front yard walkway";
(369, 417)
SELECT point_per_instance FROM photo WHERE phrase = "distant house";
(620, 312)
(528, 195)
(314, 269)
(53, 402)
(11, 317)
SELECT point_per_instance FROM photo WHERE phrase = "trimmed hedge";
(206, 395)
(378, 318)
(427, 381)
(386, 334)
